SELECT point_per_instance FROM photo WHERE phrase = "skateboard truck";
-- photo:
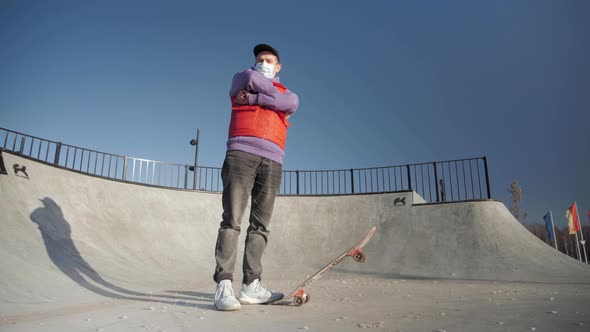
(301, 297)
(357, 254)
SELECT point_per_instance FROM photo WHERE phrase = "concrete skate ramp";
(65, 237)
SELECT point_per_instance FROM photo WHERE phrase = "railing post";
(2, 166)
(409, 177)
(57, 152)
(195, 142)
(352, 180)
(5, 140)
(436, 181)
(485, 165)
(185, 176)
(14, 143)
(22, 145)
(297, 178)
(124, 169)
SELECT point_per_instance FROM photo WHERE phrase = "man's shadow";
(62, 251)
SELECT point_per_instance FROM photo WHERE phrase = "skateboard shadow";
(209, 297)
(62, 251)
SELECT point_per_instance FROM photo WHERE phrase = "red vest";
(257, 121)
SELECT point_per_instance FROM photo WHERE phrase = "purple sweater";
(263, 93)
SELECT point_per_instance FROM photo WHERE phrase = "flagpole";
(553, 226)
(581, 234)
(578, 246)
(567, 249)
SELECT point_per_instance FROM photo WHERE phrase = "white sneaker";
(255, 293)
(225, 299)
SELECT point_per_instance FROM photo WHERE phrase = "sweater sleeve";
(251, 81)
(263, 92)
(287, 102)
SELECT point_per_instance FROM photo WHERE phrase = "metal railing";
(88, 161)
(439, 181)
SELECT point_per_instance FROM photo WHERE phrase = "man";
(252, 167)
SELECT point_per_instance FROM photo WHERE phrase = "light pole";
(195, 142)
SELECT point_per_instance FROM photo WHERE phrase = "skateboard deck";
(299, 294)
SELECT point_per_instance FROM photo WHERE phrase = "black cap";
(264, 47)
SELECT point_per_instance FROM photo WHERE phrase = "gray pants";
(244, 175)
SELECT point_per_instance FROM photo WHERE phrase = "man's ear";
(278, 67)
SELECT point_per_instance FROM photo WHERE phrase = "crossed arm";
(249, 87)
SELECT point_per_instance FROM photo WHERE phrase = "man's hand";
(242, 97)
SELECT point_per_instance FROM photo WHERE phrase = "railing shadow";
(62, 251)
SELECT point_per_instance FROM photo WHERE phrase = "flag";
(549, 225)
(573, 221)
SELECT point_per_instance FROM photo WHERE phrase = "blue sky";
(380, 82)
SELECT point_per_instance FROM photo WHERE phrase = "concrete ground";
(80, 253)
(342, 302)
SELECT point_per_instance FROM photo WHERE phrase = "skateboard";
(301, 297)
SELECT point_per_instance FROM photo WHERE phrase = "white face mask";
(266, 69)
